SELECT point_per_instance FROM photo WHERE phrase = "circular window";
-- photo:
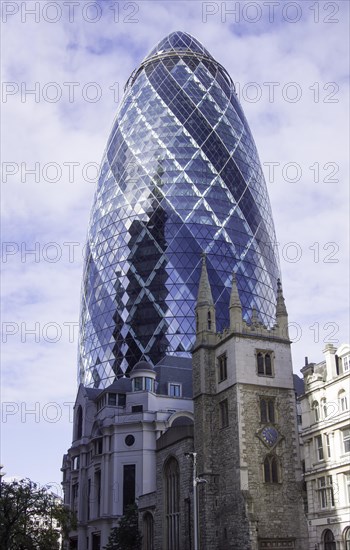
(129, 440)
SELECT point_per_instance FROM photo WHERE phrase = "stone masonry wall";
(223, 513)
(278, 507)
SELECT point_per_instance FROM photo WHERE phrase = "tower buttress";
(205, 308)
(235, 307)
(281, 312)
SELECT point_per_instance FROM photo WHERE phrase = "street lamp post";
(195, 510)
(196, 480)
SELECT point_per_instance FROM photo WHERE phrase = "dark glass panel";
(129, 471)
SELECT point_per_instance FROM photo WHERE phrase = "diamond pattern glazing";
(180, 175)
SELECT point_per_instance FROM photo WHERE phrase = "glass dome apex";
(178, 41)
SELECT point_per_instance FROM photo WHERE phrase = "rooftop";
(179, 41)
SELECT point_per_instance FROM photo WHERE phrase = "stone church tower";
(245, 430)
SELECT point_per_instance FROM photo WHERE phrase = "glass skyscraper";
(180, 175)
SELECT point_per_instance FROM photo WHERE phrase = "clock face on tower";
(269, 435)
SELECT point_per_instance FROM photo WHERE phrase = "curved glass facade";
(180, 175)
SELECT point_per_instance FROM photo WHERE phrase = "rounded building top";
(178, 41)
(142, 365)
(195, 184)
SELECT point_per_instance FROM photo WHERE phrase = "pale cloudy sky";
(289, 60)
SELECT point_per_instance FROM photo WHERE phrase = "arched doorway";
(328, 540)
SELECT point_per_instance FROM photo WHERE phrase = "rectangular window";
(319, 447)
(89, 499)
(325, 492)
(98, 446)
(76, 463)
(299, 419)
(222, 367)
(346, 363)
(343, 401)
(138, 384)
(121, 399)
(322, 493)
(174, 390)
(224, 413)
(98, 492)
(346, 440)
(137, 408)
(128, 485)
(347, 486)
(112, 399)
(75, 491)
(328, 444)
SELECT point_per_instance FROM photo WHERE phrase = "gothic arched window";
(147, 531)
(267, 410)
(264, 363)
(271, 474)
(172, 504)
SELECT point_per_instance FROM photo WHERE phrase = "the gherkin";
(180, 175)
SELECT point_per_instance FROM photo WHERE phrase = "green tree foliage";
(126, 536)
(31, 518)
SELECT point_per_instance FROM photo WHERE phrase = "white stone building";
(112, 460)
(325, 437)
